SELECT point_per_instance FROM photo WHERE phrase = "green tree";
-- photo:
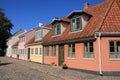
(5, 28)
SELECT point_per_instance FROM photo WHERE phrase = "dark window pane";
(112, 49)
(111, 43)
(91, 49)
(91, 43)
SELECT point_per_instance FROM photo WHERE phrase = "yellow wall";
(36, 57)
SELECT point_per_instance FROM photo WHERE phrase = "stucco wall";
(49, 59)
(79, 61)
(107, 63)
(34, 57)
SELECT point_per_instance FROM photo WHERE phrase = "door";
(28, 53)
(61, 54)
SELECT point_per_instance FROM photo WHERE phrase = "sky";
(27, 14)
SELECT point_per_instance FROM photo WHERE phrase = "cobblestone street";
(13, 69)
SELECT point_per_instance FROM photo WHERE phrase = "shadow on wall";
(4, 64)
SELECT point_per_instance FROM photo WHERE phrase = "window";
(36, 50)
(53, 51)
(47, 51)
(88, 50)
(76, 24)
(38, 34)
(71, 50)
(57, 29)
(114, 49)
(22, 39)
(40, 51)
(32, 51)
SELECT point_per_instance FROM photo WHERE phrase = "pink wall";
(108, 64)
(79, 61)
(21, 45)
(22, 57)
(14, 55)
(49, 59)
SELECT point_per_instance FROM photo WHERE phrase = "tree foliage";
(5, 28)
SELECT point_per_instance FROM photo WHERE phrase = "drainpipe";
(100, 57)
(99, 52)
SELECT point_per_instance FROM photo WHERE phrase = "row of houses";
(87, 39)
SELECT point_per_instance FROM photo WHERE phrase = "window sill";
(56, 35)
(88, 58)
(53, 56)
(37, 55)
(75, 31)
(114, 59)
(46, 56)
(71, 58)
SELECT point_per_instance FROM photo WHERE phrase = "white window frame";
(73, 27)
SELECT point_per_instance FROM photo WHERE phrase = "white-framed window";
(53, 51)
(57, 29)
(71, 50)
(114, 49)
(36, 51)
(38, 34)
(32, 51)
(88, 50)
(76, 24)
(40, 51)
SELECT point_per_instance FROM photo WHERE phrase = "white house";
(12, 40)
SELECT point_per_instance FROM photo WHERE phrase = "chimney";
(40, 25)
(86, 5)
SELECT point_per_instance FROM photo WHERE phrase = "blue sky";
(26, 14)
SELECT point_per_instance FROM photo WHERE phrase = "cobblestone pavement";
(13, 69)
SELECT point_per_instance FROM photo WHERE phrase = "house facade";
(23, 41)
(88, 39)
(35, 48)
(13, 40)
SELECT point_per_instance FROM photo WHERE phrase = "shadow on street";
(4, 64)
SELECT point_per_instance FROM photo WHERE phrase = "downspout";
(98, 35)
(100, 57)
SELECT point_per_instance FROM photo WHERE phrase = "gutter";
(70, 41)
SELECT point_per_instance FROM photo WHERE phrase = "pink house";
(23, 41)
(87, 40)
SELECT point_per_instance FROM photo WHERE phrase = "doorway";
(28, 53)
(61, 54)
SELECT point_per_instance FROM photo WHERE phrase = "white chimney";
(86, 5)
(40, 24)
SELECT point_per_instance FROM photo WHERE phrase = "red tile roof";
(33, 42)
(15, 45)
(105, 18)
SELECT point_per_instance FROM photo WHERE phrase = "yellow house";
(35, 52)
(35, 48)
